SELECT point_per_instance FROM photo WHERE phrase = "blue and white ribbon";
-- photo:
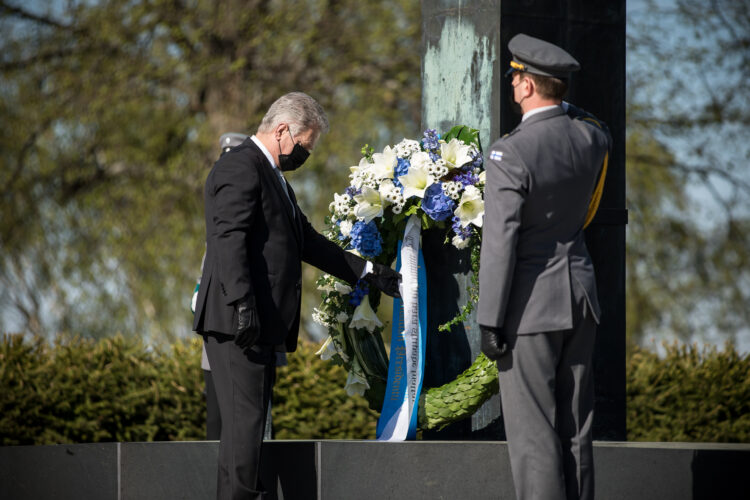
(398, 420)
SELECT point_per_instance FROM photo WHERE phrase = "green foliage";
(310, 402)
(118, 389)
(465, 134)
(689, 395)
(687, 156)
(111, 115)
(459, 398)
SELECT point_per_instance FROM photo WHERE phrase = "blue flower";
(436, 204)
(352, 191)
(467, 178)
(430, 140)
(462, 232)
(366, 239)
(360, 290)
(402, 168)
(478, 160)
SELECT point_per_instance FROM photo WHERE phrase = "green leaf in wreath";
(465, 134)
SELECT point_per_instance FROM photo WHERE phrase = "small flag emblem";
(496, 155)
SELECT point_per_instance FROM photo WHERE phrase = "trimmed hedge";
(119, 389)
(84, 391)
(691, 394)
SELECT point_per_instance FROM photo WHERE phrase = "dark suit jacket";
(255, 244)
(540, 179)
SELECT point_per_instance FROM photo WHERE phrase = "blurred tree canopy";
(111, 115)
(688, 153)
(112, 110)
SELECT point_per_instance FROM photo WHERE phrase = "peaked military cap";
(539, 57)
(231, 139)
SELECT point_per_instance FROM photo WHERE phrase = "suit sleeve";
(236, 194)
(329, 257)
(504, 196)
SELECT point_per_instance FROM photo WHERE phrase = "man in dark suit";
(538, 306)
(248, 304)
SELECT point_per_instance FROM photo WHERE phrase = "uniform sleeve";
(504, 196)
(318, 251)
(236, 191)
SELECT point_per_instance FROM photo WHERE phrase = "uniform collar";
(534, 111)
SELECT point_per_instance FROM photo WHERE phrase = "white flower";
(452, 189)
(416, 181)
(455, 153)
(397, 208)
(369, 204)
(406, 148)
(470, 209)
(342, 317)
(459, 242)
(390, 193)
(438, 168)
(346, 228)
(321, 317)
(327, 286)
(364, 317)
(383, 164)
(420, 160)
(356, 383)
(342, 288)
(362, 175)
(483, 177)
(327, 350)
(340, 204)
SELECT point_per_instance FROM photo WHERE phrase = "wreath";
(440, 180)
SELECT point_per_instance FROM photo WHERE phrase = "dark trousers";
(547, 393)
(213, 416)
(243, 382)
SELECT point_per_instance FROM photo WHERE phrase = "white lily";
(460, 243)
(364, 316)
(470, 208)
(369, 204)
(327, 350)
(342, 288)
(383, 163)
(356, 383)
(455, 153)
(416, 181)
(483, 177)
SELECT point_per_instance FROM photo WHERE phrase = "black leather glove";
(494, 345)
(385, 279)
(248, 325)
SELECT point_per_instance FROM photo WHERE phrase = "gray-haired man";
(538, 307)
(248, 304)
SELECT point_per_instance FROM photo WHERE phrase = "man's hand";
(248, 325)
(384, 278)
(494, 345)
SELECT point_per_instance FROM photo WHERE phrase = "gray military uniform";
(537, 285)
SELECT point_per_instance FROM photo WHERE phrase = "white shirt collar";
(539, 110)
(265, 151)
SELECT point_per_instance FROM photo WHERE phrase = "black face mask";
(293, 160)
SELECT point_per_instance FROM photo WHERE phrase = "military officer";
(538, 306)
